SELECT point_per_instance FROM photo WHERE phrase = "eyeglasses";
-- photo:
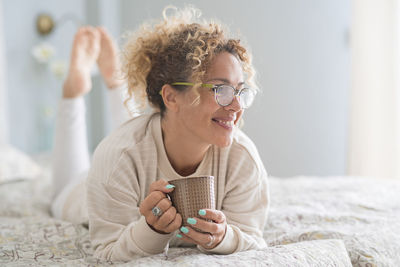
(224, 94)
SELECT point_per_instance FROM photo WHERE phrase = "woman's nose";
(235, 105)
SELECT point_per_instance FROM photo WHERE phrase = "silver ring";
(156, 211)
(209, 244)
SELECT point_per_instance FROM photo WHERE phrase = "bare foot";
(85, 51)
(108, 60)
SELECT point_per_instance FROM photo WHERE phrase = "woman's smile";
(226, 123)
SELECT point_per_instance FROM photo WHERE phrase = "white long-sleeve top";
(132, 157)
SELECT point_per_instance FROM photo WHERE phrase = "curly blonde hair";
(178, 48)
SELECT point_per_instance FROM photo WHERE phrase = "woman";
(192, 75)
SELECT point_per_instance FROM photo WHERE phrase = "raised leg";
(70, 152)
(109, 66)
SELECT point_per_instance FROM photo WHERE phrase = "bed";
(313, 221)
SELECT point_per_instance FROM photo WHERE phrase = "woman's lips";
(227, 124)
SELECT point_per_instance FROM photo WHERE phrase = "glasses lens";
(246, 98)
(224, 95)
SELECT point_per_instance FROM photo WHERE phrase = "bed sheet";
(313, 221)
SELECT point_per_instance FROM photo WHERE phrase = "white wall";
(33, 92)
(299, 122)
(3, 92)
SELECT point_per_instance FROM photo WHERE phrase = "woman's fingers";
(197, 237)
(215, 230)
(168, 221)
(214, 215)
(167, 215)
(161, 185)
(215, 226)
(164, 205)
(150, 202)
(205, 226)
(175, 224)
(186, 238)
(157, 191)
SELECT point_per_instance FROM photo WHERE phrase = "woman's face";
(208, 122)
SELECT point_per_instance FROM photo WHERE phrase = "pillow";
(15, 165)
(330, 252)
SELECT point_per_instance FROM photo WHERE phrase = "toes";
(93, 34)
(88, 38)
(102, 30)
(87, 31)
(104, 33)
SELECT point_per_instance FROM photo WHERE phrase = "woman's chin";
(224, 142)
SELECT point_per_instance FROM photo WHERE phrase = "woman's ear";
(170, 97)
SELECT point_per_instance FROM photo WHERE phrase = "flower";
(59, 68)
(43, 52)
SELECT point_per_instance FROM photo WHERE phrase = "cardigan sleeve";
(245, 205)
(117, 230)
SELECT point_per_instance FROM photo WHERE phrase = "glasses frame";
(215, 87)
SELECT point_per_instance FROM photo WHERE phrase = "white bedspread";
(364, 213)
(313, 221)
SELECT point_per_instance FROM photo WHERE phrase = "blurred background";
(328, 71)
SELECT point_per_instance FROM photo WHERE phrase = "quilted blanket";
(313, 221)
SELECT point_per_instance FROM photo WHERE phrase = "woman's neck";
(183, 152)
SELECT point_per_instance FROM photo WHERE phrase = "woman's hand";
(169, 220)
(215, 229)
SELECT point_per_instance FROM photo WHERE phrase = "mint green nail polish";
(202, 212)
(191, 221)
(169, 186)
(179, 236)
(184, 230)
